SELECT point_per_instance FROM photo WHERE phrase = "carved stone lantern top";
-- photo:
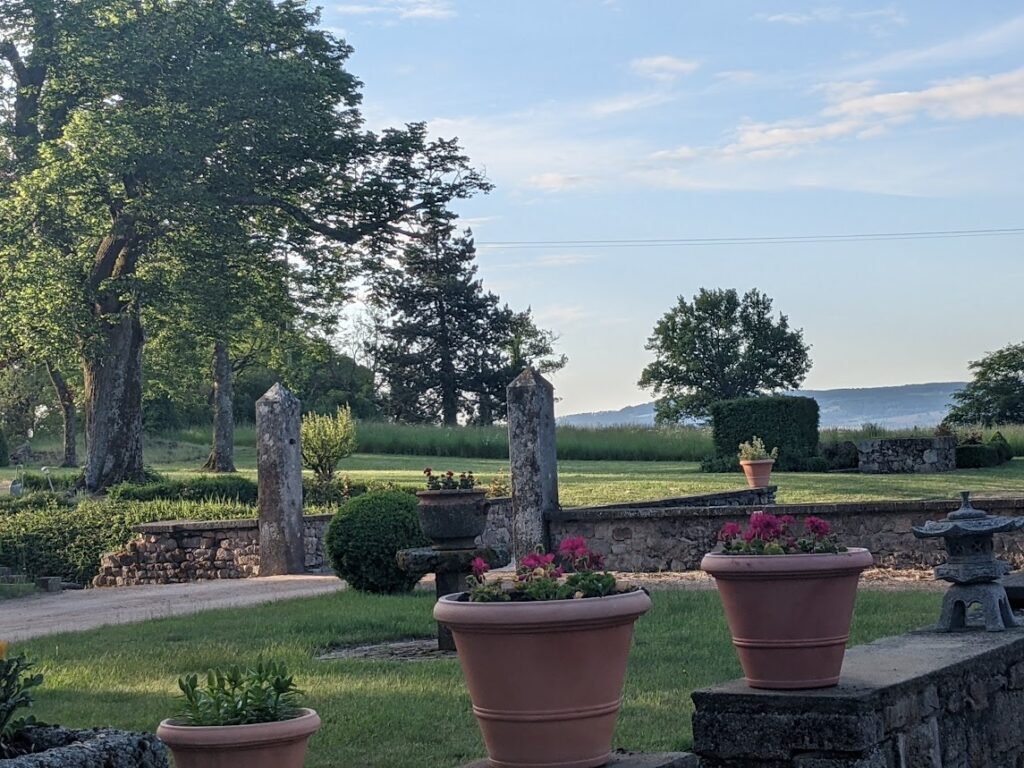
(968, 521)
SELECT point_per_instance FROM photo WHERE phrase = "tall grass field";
(574, 443)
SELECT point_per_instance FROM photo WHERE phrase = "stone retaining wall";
(187, 550)
(907, 455)
(655, 538)
(920, 700)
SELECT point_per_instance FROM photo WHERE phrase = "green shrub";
(973, 456)
(193, 488)
(790, 423)
(68, 541)
(330, 494)
(5, 452)
(840, 454)
(326, 440)
(34, 500)
(720, 464)
(365, 535)
(38, 481)
(815, 464)
(999, 444)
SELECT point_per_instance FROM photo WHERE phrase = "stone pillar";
(534, 464)
(279, 471)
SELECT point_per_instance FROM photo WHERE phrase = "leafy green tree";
(996, 393)
(326, 440)
(437, 310)
(720, 347)
(148, 120)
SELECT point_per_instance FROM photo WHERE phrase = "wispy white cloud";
(666, 69)
(555, 182)
(1005, 37)
(831, 14)
(629, 102)
(400, 9)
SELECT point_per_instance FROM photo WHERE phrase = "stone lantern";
(972, 566)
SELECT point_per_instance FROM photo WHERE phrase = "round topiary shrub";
(364, 537)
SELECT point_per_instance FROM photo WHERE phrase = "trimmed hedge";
(53, 538)
(977, 455)
(194, 488)
(789, 423)
(37, 481)
(366, 534)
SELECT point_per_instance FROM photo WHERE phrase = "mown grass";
(605, 482)
(399, 715)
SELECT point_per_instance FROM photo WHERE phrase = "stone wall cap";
(876, 673)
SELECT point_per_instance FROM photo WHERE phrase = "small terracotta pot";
(758, 472)
(452, 519)
(261, 745)
(789, 614)
(545, 677)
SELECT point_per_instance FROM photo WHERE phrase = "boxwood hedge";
(789, 423)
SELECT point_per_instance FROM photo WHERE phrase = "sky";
(604, 120)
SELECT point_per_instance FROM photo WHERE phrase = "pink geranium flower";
(730, 531)
(537, 560)
(764, 526)
(816, 526)
(479, 566)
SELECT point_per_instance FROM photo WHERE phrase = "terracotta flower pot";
(453, 519)
(545, 677)
(261, 745)
(758, 472)
(789, 614)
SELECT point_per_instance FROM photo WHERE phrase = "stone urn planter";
(545, 677)
(789, 614)
(758, 472)
(280, 744)
(452, 519)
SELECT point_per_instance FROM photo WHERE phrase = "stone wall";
(920, 700)
(185, 550)
(657, 538)
(907, 455)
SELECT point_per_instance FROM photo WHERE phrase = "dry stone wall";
(907, 455)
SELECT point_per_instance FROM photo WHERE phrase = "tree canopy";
(720, 346)
(996, 393)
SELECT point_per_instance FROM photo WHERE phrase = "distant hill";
(910, 405)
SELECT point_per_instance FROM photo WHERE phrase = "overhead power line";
(766, 240)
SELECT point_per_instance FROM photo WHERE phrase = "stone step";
(18, 578)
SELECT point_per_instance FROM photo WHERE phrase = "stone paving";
(75, 611)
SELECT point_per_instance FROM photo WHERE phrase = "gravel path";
(77, 610)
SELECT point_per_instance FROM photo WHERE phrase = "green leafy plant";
(754, 450)
(265, 693)
(326, 440)
(16, 686)
(448, 481)
(366, 534)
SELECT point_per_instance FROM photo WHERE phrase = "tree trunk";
(222, 457)
(113, 404)
(66, 398)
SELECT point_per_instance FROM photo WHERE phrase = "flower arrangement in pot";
(788, 596)
(240, 719)
(452, 509)
(757, 462)
(544, 652)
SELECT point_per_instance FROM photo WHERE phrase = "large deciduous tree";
(718, 347)
(996, 393)
(130, 122)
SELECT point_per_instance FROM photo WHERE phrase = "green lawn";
(401, 715)
(602, 482)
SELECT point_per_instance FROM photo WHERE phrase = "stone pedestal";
(923, 699)
(279, 470)
(451, 568)
(533, 459)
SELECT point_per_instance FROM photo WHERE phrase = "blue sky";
(669, 119)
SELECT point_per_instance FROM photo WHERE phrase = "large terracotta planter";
(545, 677)
(453, 519)
(261, 745)
(757, 471)
(789, 614)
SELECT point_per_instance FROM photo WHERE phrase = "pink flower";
(816, 526)
(573, 548)
(537, 560)
(764, 526)
(730, 531)
(479, 566)
(787, 520)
